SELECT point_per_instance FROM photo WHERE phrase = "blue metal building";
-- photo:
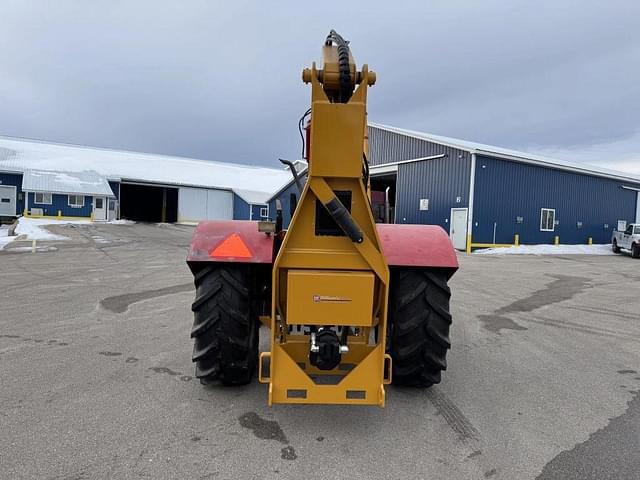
(485, 195)
(250, 206)
(49, 179)
(54, 194)
(11, 194)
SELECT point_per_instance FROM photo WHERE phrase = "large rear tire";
(225, 327)
(419, 322)
(635, 250)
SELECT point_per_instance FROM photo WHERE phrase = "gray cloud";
(221, 80)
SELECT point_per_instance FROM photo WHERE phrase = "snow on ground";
(33, 229)
(121, 222)
(548, 250)
(4, 236)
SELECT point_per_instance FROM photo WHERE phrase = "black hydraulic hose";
(345, 221)
(346, 87)
(365, 170)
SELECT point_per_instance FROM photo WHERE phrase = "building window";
(43, 198)
(99, 203)
(76, 201)
(264, 212)
(547, 219)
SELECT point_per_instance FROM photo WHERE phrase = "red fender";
(244, 243)
(417, 246)
(403, 245)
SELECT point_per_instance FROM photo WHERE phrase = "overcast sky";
(221, 80)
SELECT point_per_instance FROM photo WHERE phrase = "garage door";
(7, 200)
(196, 204)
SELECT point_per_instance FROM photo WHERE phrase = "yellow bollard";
(59, 214)
(590, 241)
(516, 240)
(469, 243)
(556, 241)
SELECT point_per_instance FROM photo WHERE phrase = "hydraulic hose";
(346, 86)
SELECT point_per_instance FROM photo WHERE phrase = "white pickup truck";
(629, 239)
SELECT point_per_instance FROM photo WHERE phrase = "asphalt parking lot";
(96, 376)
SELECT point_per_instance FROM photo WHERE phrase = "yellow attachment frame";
(330, 280)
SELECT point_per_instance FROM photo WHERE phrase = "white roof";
(82, 183)
(514, 155)
(254, 184)
(253, 197)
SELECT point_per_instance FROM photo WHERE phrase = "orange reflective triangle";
(232, 246)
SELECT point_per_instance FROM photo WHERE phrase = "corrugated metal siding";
(505, 190)
(389, 147)
(240, 208)
(61, 203)
(443, 181)
(196, 204)
(16, 181)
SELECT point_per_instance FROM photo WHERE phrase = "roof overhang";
(511, 155)
(87, 183)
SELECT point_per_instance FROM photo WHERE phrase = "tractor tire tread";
(420, 322)
(225, 329)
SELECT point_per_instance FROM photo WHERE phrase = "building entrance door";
(99, 208)
(458, 228)
(7, 200)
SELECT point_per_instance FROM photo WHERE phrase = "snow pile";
(548, 250)
(121, 222)
(32, 228)
(4, 236)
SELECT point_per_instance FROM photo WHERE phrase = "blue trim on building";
(60, 202)
(14, 179)
(506, 190)
(444, 182)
